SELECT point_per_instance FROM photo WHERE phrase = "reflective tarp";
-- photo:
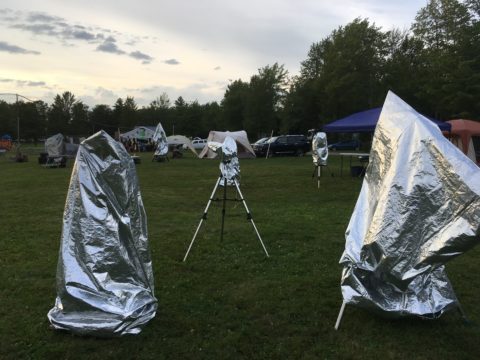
(417, 209)
(320, 149)
(161, 143)
(104, 272)
(55, 145)
(230, 166)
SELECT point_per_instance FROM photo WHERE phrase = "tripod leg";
(340, 315)
(318, 177)
(462, 313)
(204, 217)
(223, 208)
(249, 217)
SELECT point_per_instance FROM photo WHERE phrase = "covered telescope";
(160, 140)
(320, 149)
(230, 166)
(55, 145)
(417, 209)
(104, 272)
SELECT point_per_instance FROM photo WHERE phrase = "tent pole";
(268, 149)
(340, 315)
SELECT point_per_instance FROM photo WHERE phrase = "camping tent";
(461, 136)
(366, 121)
(244, 149)
(181, 140)
(139, 133)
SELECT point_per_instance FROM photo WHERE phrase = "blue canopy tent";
(366, 121)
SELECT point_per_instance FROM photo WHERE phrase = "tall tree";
(7, 119)
(448, 33)
(233, 105)
(442, 23)
(161, 102)
(266, 93)
(60, 114)
(32, 116)
(101, 118)
(79, 125)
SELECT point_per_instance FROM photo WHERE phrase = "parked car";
(345, 145)
(260, 141)
(199, 144)
(283, 145)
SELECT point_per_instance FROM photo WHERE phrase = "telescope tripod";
(317, 170)
(224, 200)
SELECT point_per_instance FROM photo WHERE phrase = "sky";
(103, 50)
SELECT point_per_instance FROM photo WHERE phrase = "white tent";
(244, 149)
(139, 133)
(181, 140)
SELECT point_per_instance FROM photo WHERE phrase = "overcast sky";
(105, 49)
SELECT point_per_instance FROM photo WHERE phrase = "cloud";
(42, 17)
(109, 46)
(14, 49)
(172, 62)
(79, 35)
(41, 23)
(24, 82)
(36, 83)
(217, 68)
(37, 29)
(102, 97)
(146, 59)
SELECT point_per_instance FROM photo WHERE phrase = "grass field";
(228, 300)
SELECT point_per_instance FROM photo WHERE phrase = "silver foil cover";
(417, 209)
(320, 149)
(160, 140)
(104, 273)
(230, 166)
(55, 145)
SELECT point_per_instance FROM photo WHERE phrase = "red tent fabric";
(465, 129)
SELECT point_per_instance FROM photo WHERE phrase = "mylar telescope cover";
(417, 209)
(55, 145)
(160, 139)
(230, 166)
(320, 149)
(104, 272)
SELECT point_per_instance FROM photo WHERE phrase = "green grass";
(228, 300)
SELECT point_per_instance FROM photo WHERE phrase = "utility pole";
(18, 110)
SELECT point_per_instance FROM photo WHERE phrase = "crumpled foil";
(55, 145)
(230, 166)
(417, 209)
(104, 275)
(320, 149)
(160, 139)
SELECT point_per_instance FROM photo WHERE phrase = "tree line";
(434, 66)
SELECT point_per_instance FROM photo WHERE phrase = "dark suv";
(284, 145)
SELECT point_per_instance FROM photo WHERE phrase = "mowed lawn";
(228, 300)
